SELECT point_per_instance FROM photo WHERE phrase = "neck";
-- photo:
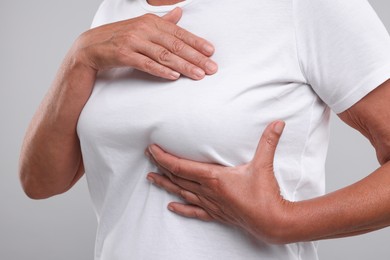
(163, 2)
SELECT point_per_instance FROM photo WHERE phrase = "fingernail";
(150, 150)
(279, 126)
(199, 73)
(209, 49)
(174, 74)
(150, 179)
(211, 66)
(171, 208)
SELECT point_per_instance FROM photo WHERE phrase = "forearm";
(50, 160)
(356, 209)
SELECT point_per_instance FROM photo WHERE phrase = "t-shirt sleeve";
(343, 48)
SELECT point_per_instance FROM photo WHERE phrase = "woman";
(278, 61)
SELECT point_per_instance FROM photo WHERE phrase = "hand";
(149, 43)
(247, 196)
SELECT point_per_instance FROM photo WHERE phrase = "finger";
(166, 181)
(186, 169)
(185, 44)
(183, 183)
(185, 51)
(166, 58)
(190, 211)
(174, 15)
(166, 184)
(205, 203)
(146, 64)
(265, 152)
(193, 211)
(194, 41)
(191, 198)
(191, 39)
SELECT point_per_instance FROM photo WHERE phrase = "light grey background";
(34, 36)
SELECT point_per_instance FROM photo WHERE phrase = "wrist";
(286, 222)
(290, 223)
(80, 56)
(79, 62)
(281, 226)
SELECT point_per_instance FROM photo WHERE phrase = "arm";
(363, 206)
(50, 160)
(255, 204)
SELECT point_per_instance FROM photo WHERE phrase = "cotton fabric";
(286, 59)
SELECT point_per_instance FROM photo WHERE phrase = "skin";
(255, 203)
(50, 160)
(165, 2)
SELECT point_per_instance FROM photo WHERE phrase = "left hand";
(247, 196)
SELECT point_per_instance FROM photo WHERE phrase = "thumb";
(265, 152)
(173, 16)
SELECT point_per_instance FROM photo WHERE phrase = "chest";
(221, 117)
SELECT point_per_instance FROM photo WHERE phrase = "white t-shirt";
(285, 59)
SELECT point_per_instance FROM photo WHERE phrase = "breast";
(218, 119)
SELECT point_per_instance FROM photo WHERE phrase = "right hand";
(153, 44)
